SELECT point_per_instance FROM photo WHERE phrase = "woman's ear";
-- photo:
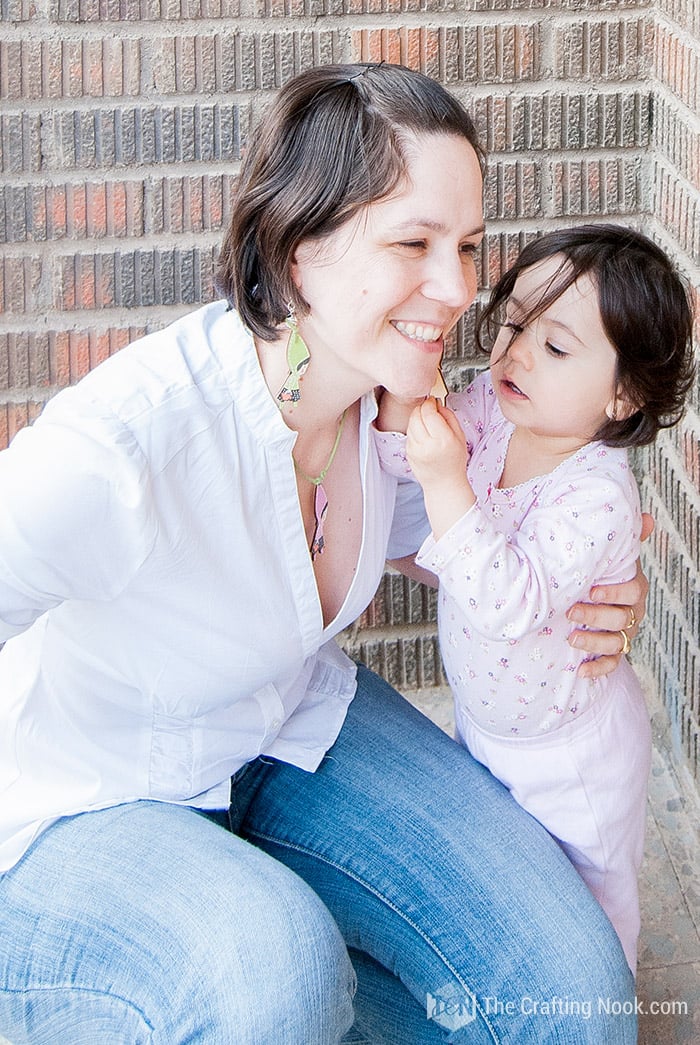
(304, 252)
(294, 273)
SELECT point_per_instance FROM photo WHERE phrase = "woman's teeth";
(419, 331)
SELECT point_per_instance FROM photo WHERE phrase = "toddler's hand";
(438, 454)
(435, 446)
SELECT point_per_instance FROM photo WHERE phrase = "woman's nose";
(452, 281)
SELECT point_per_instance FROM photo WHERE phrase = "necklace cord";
(317, 480)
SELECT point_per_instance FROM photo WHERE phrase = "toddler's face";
(555, 375)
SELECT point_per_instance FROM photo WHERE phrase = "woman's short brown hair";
(332, 142)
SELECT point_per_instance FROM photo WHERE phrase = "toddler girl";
(531, 500)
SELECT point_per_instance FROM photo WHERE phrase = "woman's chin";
(417, 388)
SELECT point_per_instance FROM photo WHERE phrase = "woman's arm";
(612, 609)
(410, 568)
(75, 513)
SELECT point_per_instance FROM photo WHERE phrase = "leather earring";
(298, 359)
(440, 390)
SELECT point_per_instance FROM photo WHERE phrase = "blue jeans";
(463, 920)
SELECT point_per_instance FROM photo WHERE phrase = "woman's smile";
(428, 335)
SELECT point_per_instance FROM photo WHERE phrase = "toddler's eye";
(556, 352)
(515, 328)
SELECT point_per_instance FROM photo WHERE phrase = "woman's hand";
(613, 609)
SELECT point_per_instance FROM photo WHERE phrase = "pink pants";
(587, 785)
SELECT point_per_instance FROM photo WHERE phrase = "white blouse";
(158, 605)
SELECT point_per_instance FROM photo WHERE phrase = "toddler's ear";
(621, 407)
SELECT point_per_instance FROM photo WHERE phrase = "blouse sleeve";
(75, 517)
(506, 585)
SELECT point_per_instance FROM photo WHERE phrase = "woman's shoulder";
(181, 355)
(189, 355)
(162, 389)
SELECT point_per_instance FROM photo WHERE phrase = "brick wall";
(121, 123)
(670, 643)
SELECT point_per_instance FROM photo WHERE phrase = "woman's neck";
(324, 395)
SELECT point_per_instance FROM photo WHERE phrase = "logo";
(451, 1007)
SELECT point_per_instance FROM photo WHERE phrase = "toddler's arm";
(394, 412)
(507, 584)
(438, 454)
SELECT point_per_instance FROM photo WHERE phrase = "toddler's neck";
(530, 455)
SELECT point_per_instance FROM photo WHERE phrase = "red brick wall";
(121, 123)
(670, 643)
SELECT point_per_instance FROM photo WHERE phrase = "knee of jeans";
(81, 1017)
(593, 991)
(287, 976)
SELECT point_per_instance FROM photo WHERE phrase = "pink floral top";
(511, 567)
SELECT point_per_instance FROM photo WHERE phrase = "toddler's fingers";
(450, 418)
(432, 417)
(415, 429)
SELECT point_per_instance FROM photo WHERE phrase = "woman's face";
(385, 288)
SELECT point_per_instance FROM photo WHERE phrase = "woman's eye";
(414, 244)
(470, 249)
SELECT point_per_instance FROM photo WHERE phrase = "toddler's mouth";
(512, 387)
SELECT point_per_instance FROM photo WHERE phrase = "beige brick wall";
(670, 471)
(121, 125)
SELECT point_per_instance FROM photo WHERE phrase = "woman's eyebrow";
(434, 226)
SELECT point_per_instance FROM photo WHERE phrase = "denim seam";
(384, 899)
(48, 988)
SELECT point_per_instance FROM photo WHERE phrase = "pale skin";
(555, 380)
(384, 291)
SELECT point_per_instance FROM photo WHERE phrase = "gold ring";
(625, 643)
(633, 620)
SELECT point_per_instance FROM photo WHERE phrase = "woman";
(182, 534)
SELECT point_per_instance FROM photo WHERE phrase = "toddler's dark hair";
(645, 311)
